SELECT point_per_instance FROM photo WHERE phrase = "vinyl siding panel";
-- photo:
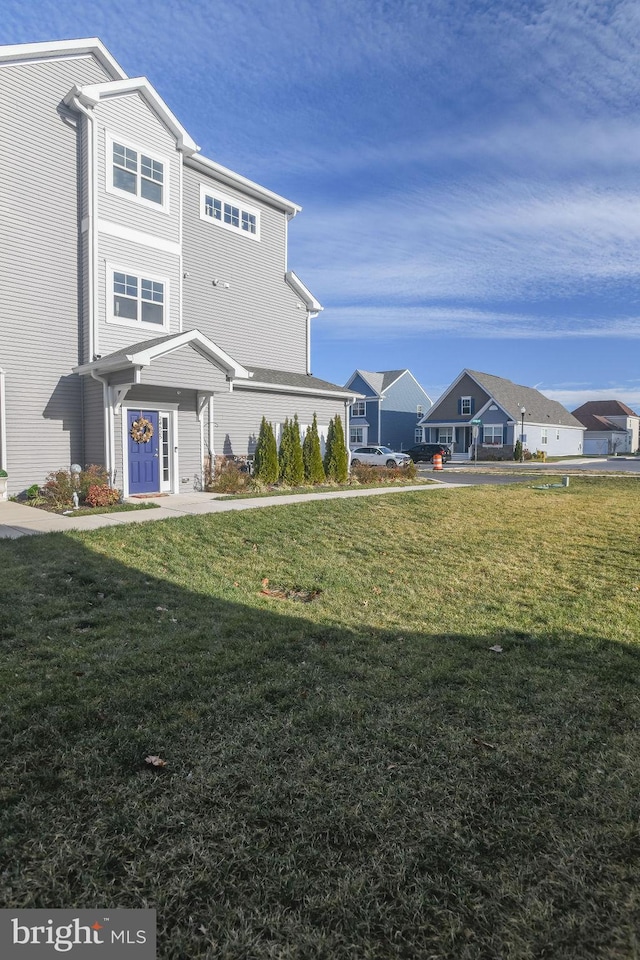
(184, 368)
(131, 119)
(140, 261)
(448, 408)
(258, 319)
(39, 344)
(358, 385)
(93, 415)
(238, 416)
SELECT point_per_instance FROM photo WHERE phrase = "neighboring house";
(496, 407)
(138, 279)
(393, 402)
(612, 427)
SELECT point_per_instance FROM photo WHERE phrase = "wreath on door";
(141, 430)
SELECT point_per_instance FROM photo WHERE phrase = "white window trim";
(493, 443)
(463, 412)
(210, 190)
(110, 139)
(544, 435)
(364, 410)
(357, 443)
(110, 317)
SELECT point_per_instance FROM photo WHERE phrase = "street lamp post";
(522, 413)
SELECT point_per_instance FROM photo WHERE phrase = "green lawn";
(356, 778)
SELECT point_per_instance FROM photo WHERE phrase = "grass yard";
(360, 777)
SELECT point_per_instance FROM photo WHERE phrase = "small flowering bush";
(99, 496)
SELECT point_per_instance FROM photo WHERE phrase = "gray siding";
(258, 319)
(130, 118)
(238, 416)
(138, 260)
(39, 265)
(400, 412)
(447, 409)
(93, 411)
(184, 367)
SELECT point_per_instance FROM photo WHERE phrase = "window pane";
(248, 222)
(124, 307)
(151, 290)
(152, 312)
(151, 190)
(151, 168)
(124, 180)
(232, 215)
(124, 283)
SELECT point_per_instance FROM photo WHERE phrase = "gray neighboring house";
(389, 409)
(496, 405)
(611, 427)
(139, 279)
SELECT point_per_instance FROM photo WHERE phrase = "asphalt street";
(505, 472)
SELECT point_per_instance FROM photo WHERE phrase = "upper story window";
(138, 174)
(137, 300)
(466, 406)
(358, 409)
(229, 213)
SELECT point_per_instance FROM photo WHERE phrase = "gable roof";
(511, 397)
(142, 354)
(603, 408)
(54, 49)
(378, 381)
(593, 422)
(122, 83)
(91, 94)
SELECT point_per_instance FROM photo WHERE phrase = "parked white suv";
(379, 457)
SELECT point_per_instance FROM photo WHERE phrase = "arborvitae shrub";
(312, 455)
(266, 456)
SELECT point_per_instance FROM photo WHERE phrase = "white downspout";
(3, 421)
(212, 452)
(92, 217)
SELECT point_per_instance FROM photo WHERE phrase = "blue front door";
(144, 472)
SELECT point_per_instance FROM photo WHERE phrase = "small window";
(228, 213)
(356, 435)
(465, 406)
(359, 409)
(137, 299)
(557, 434)
(136, 173)
(445, 434)
(418, 435)
(544, 435)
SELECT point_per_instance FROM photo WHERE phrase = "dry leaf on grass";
(496, 648)
(154, 761)
(483, 743)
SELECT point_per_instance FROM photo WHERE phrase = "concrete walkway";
(16, 520)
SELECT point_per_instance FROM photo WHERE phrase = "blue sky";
(469, 170)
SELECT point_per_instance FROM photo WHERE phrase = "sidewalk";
(17, 520)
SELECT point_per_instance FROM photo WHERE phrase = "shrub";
(517, 450)
(229, 478)
(266, 467)
(336, 458)
(99, 495)
(290, 454)
(60, 485)
(366, 473)
(312, 455)
(3, 473)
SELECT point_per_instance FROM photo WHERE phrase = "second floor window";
(138, 299)
(465, 406)
(358, 409)
(138, 174)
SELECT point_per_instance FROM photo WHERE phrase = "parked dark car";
(427, 451)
